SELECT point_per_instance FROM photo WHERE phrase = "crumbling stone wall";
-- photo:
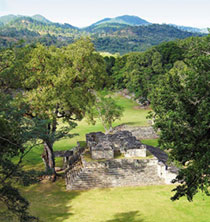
(136, 152)
(115, 173)
(70, 156)
(82, 174)
(140, 132)
(103, 146)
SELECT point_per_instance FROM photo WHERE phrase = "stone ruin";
(140, 132)
(117, 159)
(104, 146)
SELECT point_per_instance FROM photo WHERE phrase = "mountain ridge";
(124, 19)
(107, 34)
(41, 18)
(131, 20)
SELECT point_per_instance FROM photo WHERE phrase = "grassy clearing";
(108, 54)
(51, 202)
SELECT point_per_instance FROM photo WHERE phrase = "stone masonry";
(103, 169)
(140, 132)
(103, 146)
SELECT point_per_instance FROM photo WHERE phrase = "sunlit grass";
(151, 142)
(51, 202)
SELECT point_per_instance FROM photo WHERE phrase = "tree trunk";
(49, 159)
(48, 154)
(45, 160)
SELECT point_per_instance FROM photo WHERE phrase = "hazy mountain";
(17, 20)
(132, 20)
(41, 18)
(125, 19)
(43, 27)
(27, 21)
(190, 29)
(8, 18)
(105, 27)
(122, 34)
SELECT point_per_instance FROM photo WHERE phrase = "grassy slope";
(51, 202)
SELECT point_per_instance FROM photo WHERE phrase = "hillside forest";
(45, 89)
(122, 34)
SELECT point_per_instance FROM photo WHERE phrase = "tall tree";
(59, 88)
(181, 103)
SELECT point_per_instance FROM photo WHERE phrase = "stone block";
(135, 153)
(102, 150)
(102, 154)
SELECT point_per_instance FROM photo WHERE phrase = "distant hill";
(121, 34)
(8, 18)
(35, 29)
(125, 19)
(138, 38)
(34, 22)
(41, 19)
(191, 29)
(105, 27)
(42, 26)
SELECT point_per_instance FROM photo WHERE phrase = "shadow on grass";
(50, 201)
(132, 216)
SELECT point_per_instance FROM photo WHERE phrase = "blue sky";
(82, 13)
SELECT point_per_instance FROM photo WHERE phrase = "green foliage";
(58, 87)
(139, 72)
(137, 38)
(16, 132)
(106, 110)
(118, 72)
(110, 62)
(181, 104)
(171, 52)
(56, 83)
(12, 72)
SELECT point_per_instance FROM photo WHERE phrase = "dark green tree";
(58, 87)
(142, 71)
(17, 137)
(181, 104)
(118, 72)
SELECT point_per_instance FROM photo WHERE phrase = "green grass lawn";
(51, 202)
